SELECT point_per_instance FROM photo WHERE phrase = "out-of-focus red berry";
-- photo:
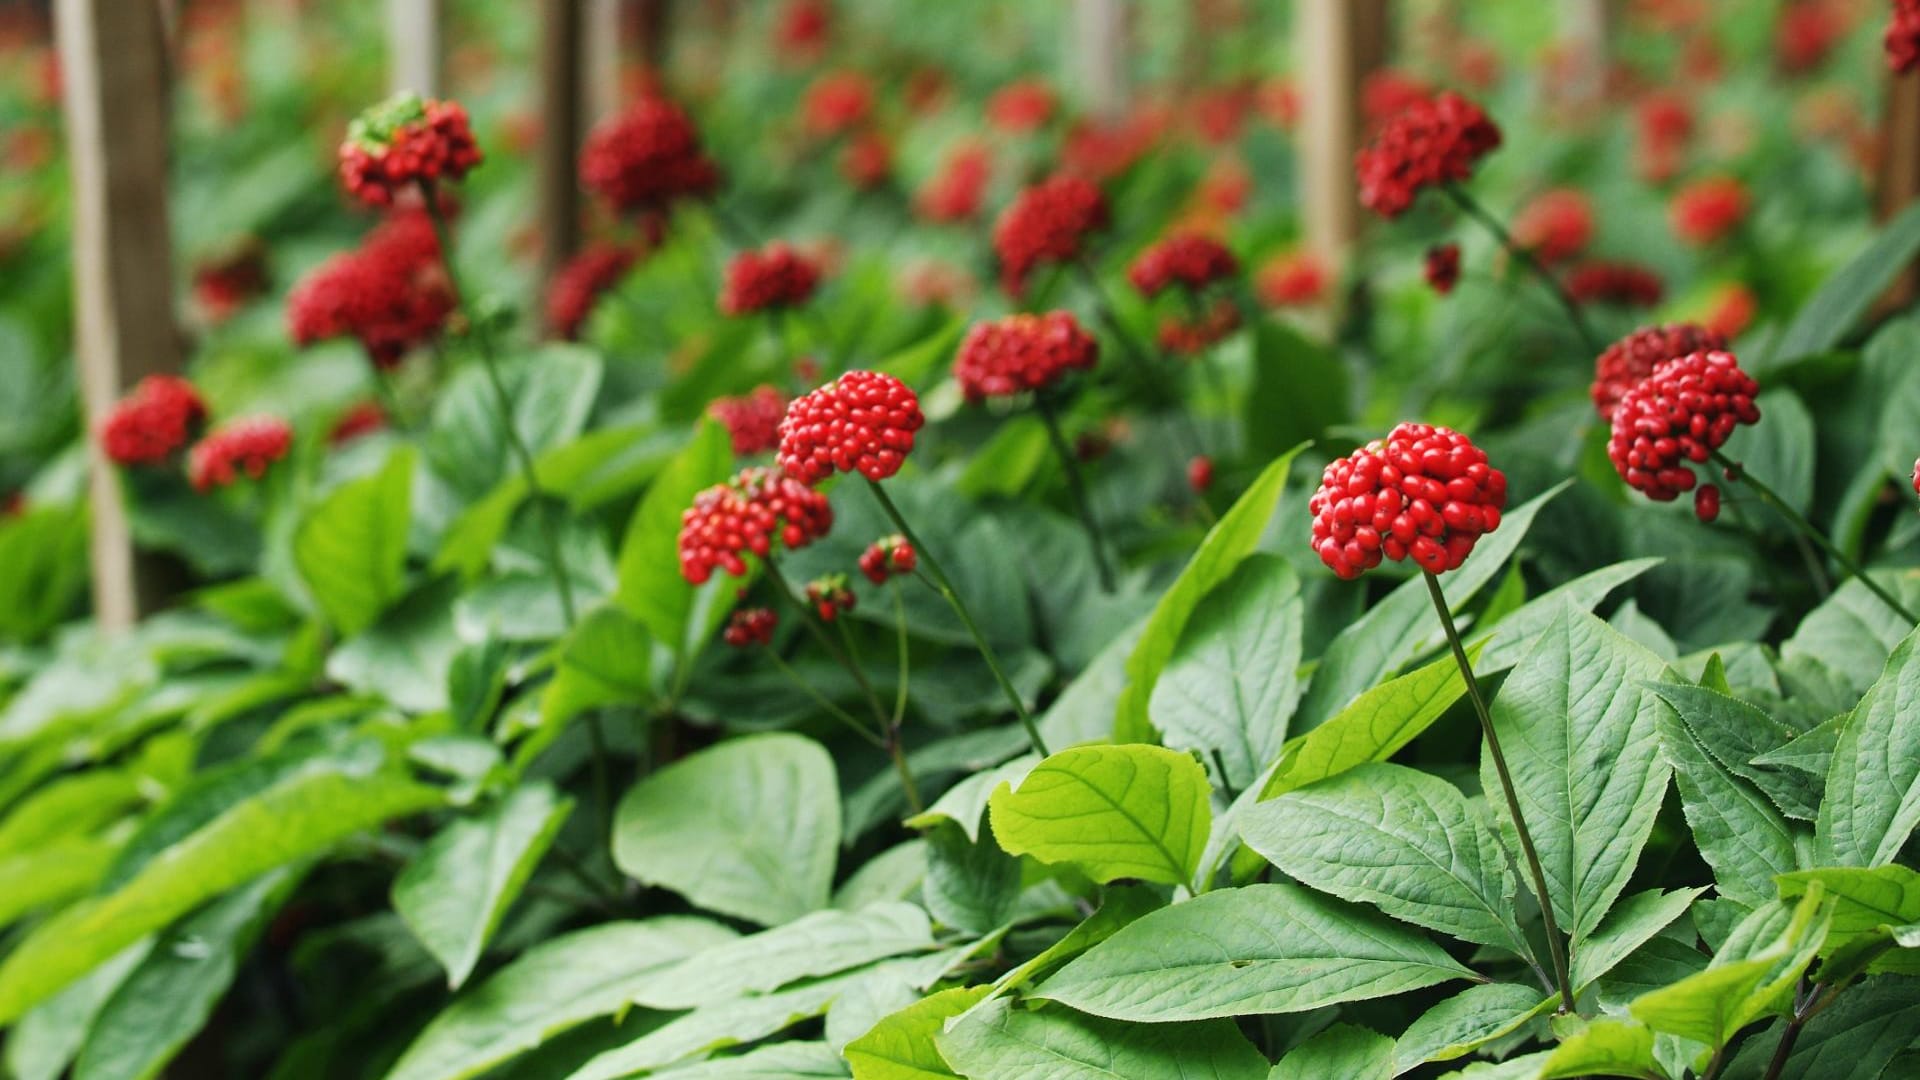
(750, 626)
(1429, 143)
(1622, 283)
(391, 294)
(1022, 353)
(861, 422)
(956, 191)
(1021, 107)
(404, 141)
(1190, 260)
(1627, 362)
(244, 447)
(866, 161)
(1806, 34)
(1388, 92)
(1292, 279)
(363, 418)
(752, 420)
(745, 516)
(1706, 503)
(1556, 226)
(1681, 413)
(776, 276)
(1443, 267)
(1731, 310)
(830, 595)
(646, 159)
(803, 28)
(157, 418)
(579, 285)
(1707, 210)
(1192, 335)
(888, 557)
(1902, 37)
(1200, 473)
(1047, 223)
(837, 103)
(1425, 493)
(224, 285)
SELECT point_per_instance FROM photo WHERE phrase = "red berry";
(830, 595)
(1556, 226)
(1190, 260)
(776, 276)
(1200, 473)
(746, 515)
(752, 420)
(1631, 359)
(391, 294)
(1425, 493)
(1047, 223)
(579, 285)
(1681, 413)
(955, 192)
(1708, 209)
(1621, 283)
(159, 416)
(1022, 353)
(750, 626)
(861, 422)
(1292, 279)
(1916, 477)
(246, 446)
(1902, 37)
(886, 557)
(646, 159)
(1706, 503)
(1443, 267)
(404, 141)
(1432, 141)
(836, 103)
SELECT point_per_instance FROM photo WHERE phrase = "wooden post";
(1100, 53)
(1898, 184)
(600, 88)
(112, 56)
(1340, 42)
(652, 21)
(416, 47)
(561, 55)
(1586, 32)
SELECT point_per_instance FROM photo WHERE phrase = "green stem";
(1556, 949)
(811, 620)
(896, 749)
(1738, 474)
(1533, 264)
(823, 701)
(1077, 488)
(944, 586)
(1138, 355)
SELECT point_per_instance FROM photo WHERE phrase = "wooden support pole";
(1898, 184)
(1586, 32)
(653, 22)
(1340, 42)
(1100, 55)
(112, 56)
(600, 88)
(416, 47)
(561, 130)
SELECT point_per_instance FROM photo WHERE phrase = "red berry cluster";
(1903, 36)
(391, 294)
(363, 418)
(646, 159)
(776, 276)
(578, 285)
(1443, 267)
(830, 595)
(405, 141)
(1046, 223)
(746, 515)
(1706, 210)
(803, 27)
(1432, 141)
(1193, 336)
(239, 447)
(1425, 492)
(836, 103)
(1623, 283)
(1022, 353)
(1634, 357)
(886, 557)
(750, 626)
(223, 286)
(956, 191)
(1200, 473)
(861, 422)
(156, 419)
(1190, 260)
(752, 420)
(1292, 279)
(1556, 226)
(1021, 107)
(1681, 413)
(867, 161)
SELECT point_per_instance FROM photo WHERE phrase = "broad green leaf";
(458, 887)
(1232, 682)
(404, 658)
(1512, 636)
(999, 1041)
(1226, 545)
(558, 985)
(552, 393)
(1605, 1047)
(1632, 923)
(748, 828)
(820, 943)
(1830, 314)
(1300, 389)
(607, 660)
(52, 874)
(299, 819)
(351, 549)
(1403, 840)
(1465, 1022)
(1373, 728)
(651, 587)
(965, 803)
(45, 1041)
(1737, 735)
(1751, 975)
(1737, 830)
(1855, 1038)
(1853, 631)
(1580, 741)
(1120, 905)
(165, 1000)
(1525, 1067)
(1257, 949)
(1112, 812)
(712, 1027)
(1873, 784)
(774, 1061)
(970, 885)
(80, 803)
(1878, 903)
(901, 1047)
(1343, 1050)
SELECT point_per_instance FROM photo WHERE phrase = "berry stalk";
(1556, 949)
(1539, 270)
(895, 749)
(944, 586)
(1077, 487)
(810, 618)
(1138, 354)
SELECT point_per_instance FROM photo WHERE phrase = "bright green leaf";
(1000, 1041)
(901, 1047)
(351, 549)
(1343, 1050)
(1873, 784)
(1465, 1022)
(1112, 812)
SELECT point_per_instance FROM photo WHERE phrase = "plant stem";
(1527, 258)
(944, 586)
(813, 624)
(895, 748)
(1138, 355)
(1737, 473)
(822, 700)
(1077, 488)
(1555, 949)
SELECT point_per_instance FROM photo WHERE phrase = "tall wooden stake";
(1340, 42)
(112, 56)
(1100, 53)
(561, 55)
(600, 87)
(1586, 30)
(1899, 181)
(416, 46)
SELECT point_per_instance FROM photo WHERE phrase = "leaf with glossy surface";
(652, 589)
(821, 943)
(1465, 1022)
(1607, 1046)
(702, 827)
(351, 549)
(1112, 812)
(1873, 783)
(1752, 974)
(1000, 1041)
(902, 1046)
(1257, 949)
(712, 1027)
(607, 660)
(775, 1061)
(1632, 923)
(1373, 728)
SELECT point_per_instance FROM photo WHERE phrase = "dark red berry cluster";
(955, 192)
(240, 447)
(1425, 493)
(1556, 226)
(836, 103)
(750, 626)
(224, 285)
(886, 557)
(580, 283)
(1191, 336)
(1681, 413)
(647, 158)
(1191, 260)
(1022, 353)
(752, 420)
(776, 276)
(1433, 141)
(159, 417)
(1903, 36)
(745, 516)
(830, 595)
(1200, 473)
(1631, 359)
(391, 294)
(1708, 209)
(1047, 223)
(1623, 283)
(861, 422)
(1443, 267)
(406, 141)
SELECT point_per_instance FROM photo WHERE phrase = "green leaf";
(1737, 830)
(1111, 812)
(1737, 735)
(1867, 903)
(1405, 841)
(1232, 682)
(703, 827)
(404, 657)
(1000, 1041)
(558, 985)
(1258, 949)
(1580, 741)
(712, 1027)
(351, 549)
(1873, 785)
(1855, 1038)
(651, 587)
(607, 660)
(1853, 631)
(970, 885)
(774, 1061)
(1226, 545)
(1605, 1047)
(1300, 389)
(820, 943)
(1513, 635)
(1343, 1050)
(52, 874)
(46, 1040)
(79, 803)
(1831, 313)
(456, 890)
(1373, 728)
(296, 820)
(1632, 923)
(552, 393)
(901, 1047)
(1752, 975)
(1467, 1021)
